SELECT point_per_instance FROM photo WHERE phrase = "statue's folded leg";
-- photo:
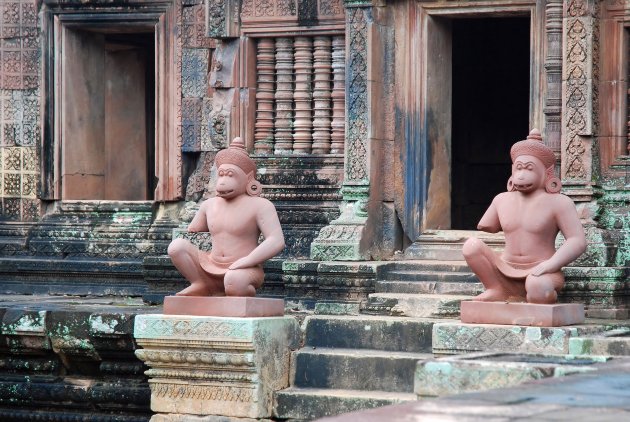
(544, 288)
(244, 281)
(185, 257)
(482, 261)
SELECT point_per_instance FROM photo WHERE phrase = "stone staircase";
(423, 289)
(354, 362)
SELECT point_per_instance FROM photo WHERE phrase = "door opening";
(108, 135)
(490, 110)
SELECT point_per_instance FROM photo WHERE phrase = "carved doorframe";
(613, 138)
(165, 19)
(424, 128)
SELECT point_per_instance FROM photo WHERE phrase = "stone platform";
(225, 306)
(516, 313)
(215, 366)
(458, 337)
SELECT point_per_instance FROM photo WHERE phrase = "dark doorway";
(108, 124)
(491, 74)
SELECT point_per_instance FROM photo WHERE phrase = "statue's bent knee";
(176, 247)
(472, 247)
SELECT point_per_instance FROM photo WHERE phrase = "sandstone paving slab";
(602, 396)
(458, 337)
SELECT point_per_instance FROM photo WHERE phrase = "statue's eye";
(530, 167)
(221, 173)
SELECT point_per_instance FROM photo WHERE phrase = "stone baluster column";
(322, 95)
(345, 238)
(303, 125)
(338, 94)
(553, 67)
(265, 70)
(284, 96)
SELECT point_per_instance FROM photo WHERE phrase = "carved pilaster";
(284, 95)
(553, 67)
(321, 95)
(578, 92)
(303, 137)
(338, 94)
(344, 238)
(357, 98)
(226, 367)
(265, 69)
(222, 18)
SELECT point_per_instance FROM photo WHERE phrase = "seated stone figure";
(235, 219)
(530, 214)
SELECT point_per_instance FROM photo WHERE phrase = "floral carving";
(356, 166)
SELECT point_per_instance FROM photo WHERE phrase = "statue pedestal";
(224, 306)
(219, 366)
(517, 313)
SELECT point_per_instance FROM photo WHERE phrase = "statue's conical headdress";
(534, 146)
(236, 154)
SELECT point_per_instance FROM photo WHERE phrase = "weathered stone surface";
(485, 371)
(242, 307)
(354, 369)
(369, 332)
(531, 314)
(415, 305)
(70, 358)
(457, 337)
(610, 343)
(312, 403)
(225, 366)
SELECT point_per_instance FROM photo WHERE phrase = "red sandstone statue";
(530, 214)
(235, 219)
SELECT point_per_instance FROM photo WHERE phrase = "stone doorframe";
(164, 18)
(423, 63)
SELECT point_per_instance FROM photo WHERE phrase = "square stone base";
(223, 306)
(528, 314)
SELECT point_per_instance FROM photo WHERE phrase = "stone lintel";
(223, 306)
(528, 314)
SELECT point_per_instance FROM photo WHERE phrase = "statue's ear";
(254, 188)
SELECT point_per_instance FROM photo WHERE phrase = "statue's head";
(236, 172)
(532, 166)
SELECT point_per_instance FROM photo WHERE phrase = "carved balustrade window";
(300, 95)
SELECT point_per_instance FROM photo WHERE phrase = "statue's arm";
(573, 232)
(490, 221)
(199, 222)
(269, 225)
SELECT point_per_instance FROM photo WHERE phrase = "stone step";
(355, 369)
(428, 287)
(311, 403)
(455, 266)
(457, 337)
(369, 332)
(415, 305)
(610, 343)
(431, 275)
